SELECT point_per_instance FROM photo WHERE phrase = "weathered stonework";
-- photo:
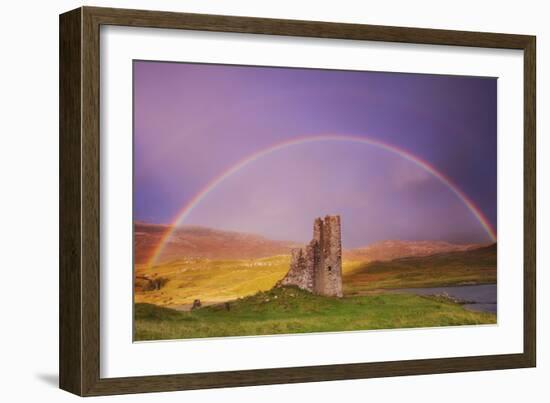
(318, 267)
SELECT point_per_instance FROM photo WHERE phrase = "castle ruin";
(317, 268)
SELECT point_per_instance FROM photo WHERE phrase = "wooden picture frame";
(80, 199)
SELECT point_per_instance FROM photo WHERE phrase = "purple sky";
(192, 122)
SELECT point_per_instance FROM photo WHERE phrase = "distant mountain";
(392, 249)
(201, 242)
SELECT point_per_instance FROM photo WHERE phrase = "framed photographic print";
(250, 201)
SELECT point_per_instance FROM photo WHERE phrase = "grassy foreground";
(290, 310)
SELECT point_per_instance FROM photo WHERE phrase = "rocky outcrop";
(317, 268)
(196, 304)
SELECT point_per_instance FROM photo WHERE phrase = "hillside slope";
(393, 249)
(478, 266)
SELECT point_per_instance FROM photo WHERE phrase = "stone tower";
(318, 267)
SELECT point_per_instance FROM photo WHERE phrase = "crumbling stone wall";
(301, 272)
(318, 267)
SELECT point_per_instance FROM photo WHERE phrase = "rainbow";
(189, 207)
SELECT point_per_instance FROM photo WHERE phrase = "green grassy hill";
(290, 310)
(453, 268)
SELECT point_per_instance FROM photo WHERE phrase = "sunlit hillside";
(182, 281)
